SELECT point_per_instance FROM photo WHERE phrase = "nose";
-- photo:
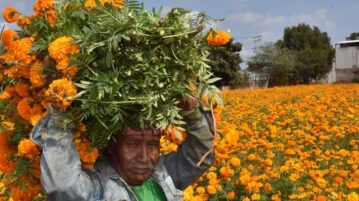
(142, 154)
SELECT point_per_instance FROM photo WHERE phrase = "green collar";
(149, 191)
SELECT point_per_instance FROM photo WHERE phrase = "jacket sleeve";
(182, 165)
(61, 175)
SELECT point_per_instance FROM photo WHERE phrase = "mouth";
(141, 170)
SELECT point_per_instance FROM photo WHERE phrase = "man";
(133, 169)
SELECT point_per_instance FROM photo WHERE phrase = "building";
(346, 63)
(258, 79)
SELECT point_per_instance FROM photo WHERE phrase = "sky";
(255, 22)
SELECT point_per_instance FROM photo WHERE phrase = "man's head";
(135, 154)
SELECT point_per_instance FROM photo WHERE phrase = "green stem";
(180, 34)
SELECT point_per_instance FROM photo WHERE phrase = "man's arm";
(61, 175)
(183, 164)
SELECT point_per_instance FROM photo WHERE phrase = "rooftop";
(347, 42)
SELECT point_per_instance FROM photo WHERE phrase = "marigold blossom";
(60, 93)
(218, 38)
(88, 155)
(28, 149)
(10, 14)
(7, 38)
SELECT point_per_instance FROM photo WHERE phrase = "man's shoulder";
(103, 168)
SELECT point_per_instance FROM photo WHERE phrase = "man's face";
(135, 156)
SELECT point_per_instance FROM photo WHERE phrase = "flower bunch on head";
(108, 63)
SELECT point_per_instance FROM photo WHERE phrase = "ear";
(111, 145)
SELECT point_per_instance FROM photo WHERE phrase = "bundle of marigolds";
(108, 63)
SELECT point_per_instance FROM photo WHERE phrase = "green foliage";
(134, 5)
(23, 127)
(280, 63)
(15, 178)
(224, 62)
(353, 36)
(313, 51)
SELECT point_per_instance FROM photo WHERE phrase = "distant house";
(346, 62)
(258, 79)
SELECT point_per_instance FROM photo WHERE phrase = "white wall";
(346, 57)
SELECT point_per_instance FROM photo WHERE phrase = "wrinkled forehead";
(148, 131)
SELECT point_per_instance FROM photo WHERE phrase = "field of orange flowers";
(288, 143)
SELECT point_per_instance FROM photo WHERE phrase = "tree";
(353, 36)
(278, 60)
(224, 61)
(313, 51)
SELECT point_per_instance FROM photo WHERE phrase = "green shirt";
(149, 191)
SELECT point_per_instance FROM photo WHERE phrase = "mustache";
(148, 165)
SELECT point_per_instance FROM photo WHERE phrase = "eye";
(154, 145)
(131, 143)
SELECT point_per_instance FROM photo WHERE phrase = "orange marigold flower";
(200, 190)
(27, 108)
(29, 189)
(231, 195)
(236, 162)
(22, 89)
(28, 149)
(5, 95)
(267, 163)
(51, 17)
(1, 77)
(321, 183)
(88, 155)
(226, 171)
(211, 176)
(218, 38)
(338, 180)
(36, 77)
(251, 157)
(244, 179)
(35, 118)
(6, 165)
(20, 51)
(16, 72)
(256, 196)
(211, 190)
(344, 152)
(174, 135)
(321, 198)
(7, 37)
(60, 49)
(275, 198)
(23, 108)
(289, 152)
(23, 21)
(10, 93)
(353, 196)
(43, 5)
(59, 93)
(10, 14)
(117, 3)
(267, 187)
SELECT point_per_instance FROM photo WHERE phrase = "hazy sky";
(267, 19)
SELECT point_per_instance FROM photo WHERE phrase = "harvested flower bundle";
(108, 64)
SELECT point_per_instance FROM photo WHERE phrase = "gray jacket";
(62, 177)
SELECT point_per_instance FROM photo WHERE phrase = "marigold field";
(288, 143)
